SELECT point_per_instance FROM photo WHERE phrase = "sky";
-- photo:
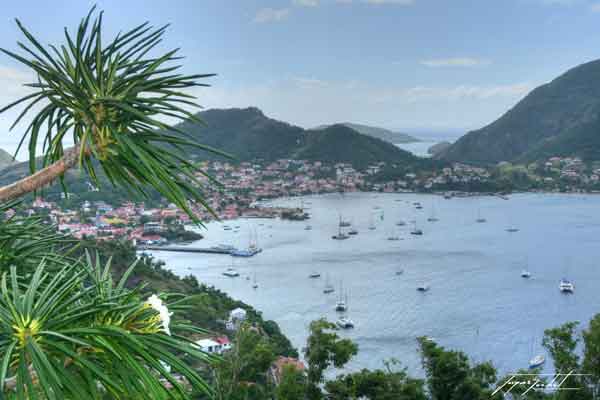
(423, 66)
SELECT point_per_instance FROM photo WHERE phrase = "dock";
(181, 249)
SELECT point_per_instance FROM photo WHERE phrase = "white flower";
(165, 316)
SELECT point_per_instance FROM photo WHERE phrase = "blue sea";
(477, 300)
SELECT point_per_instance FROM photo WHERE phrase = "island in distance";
(376, 132)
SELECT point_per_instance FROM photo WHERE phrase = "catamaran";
(345, 323)
(566, 286)
(231, 272)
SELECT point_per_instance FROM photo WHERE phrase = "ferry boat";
(537, 361)
(345, 323)
(231, 272)
(566, 286)
(525, 274)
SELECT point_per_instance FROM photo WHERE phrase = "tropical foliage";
(68, 330)
(109, 99)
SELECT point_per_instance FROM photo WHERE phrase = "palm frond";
(112, 98)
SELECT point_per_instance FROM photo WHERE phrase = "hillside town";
(245, 186)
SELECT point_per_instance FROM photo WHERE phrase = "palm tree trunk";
(42, 177)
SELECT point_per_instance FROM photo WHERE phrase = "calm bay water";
(477, 303)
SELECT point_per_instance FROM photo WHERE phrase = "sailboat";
(328, 286)
(393, 236)
(432, 217)
(415, 230)
(340, 235)
(254, 283)
(480, 219)
(538, 360)
(343, 223)
(252, 249)
(342, 303)
(372, 222)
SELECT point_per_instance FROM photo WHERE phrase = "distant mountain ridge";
(248, 134)
(559, 118)
(6, 159)
(379, 133)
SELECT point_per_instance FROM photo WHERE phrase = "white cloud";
(306, 3)
(310, 101)
(465, 62)
(271, 15)
(595, 7)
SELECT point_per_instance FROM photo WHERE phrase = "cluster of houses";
(221, 344)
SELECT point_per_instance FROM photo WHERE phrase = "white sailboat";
(480, 219)
(342, 303)
(432, 217)
(416, 231)
(328, 286)
(254, 282)
(537, 360)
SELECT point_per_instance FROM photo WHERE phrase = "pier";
(181, 249)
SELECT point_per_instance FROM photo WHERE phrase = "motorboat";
(566, 286)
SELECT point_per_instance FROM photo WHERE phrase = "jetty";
(184, 249)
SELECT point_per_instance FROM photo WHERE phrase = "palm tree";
(67, 330)
(109, 98)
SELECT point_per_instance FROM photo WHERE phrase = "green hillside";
(560, 117)
(379, 133)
